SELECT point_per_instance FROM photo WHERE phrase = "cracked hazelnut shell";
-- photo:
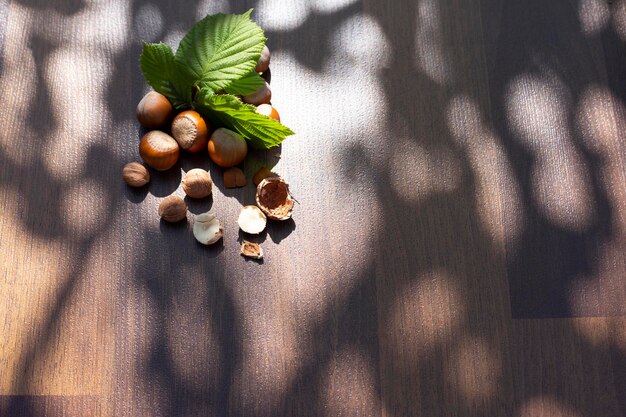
(251, 220)
(207, 229)
(274, 199)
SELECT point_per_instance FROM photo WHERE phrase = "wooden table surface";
(459, 246)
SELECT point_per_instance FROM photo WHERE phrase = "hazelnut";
(190, 131)
(173, 209)
(264, 60)
(273, 197)
(251, 220)
(207, 229)
(197, 183)
(261, 174)
(154, 111)
(159, 150)
(267, 76)
(261, 96)
(227, 148)
(269, 111)
(135, 174)
(251, 250)
(234, 178)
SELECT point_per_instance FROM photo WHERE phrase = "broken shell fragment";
(207, 229)
(251, 250)
(252, 220)
(234, 178)
(273, 197)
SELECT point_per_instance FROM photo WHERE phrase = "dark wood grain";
(458, 247)
(552, 97)
(49, 406)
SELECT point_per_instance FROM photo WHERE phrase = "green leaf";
(248, 84)
(220, 49)
(226, 110)
(163, 74)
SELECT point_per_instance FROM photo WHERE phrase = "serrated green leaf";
(220, 49)
(248, 84)
(163, 75)
(262, 131)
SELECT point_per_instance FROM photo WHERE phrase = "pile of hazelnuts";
(169, 132)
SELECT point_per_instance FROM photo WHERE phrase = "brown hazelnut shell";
(159, 150)
(154, 111)
(190, 131)
(172, 209)
(135, 174)
(262, 96)
(197, 183)
(264, 60)
(227, 148)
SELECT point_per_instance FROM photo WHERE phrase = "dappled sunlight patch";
(79, 122)
(361, 40)
(563, 192)
(545, 405)
(431, 58)
(560, 181)
(619, 19)
(415, 171)
(18, 78)
(536, 109)
(498, 195)
(281, 15)
(171, 38)
(343, 106)
(426, 313)
(594, 330)
(594, 15)
(330, 6)
(595, 117)
(85, 208)
(61, 326)
(474, 369)
(342, 109)
(207, 7)
(349, 385)
(33, 279)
